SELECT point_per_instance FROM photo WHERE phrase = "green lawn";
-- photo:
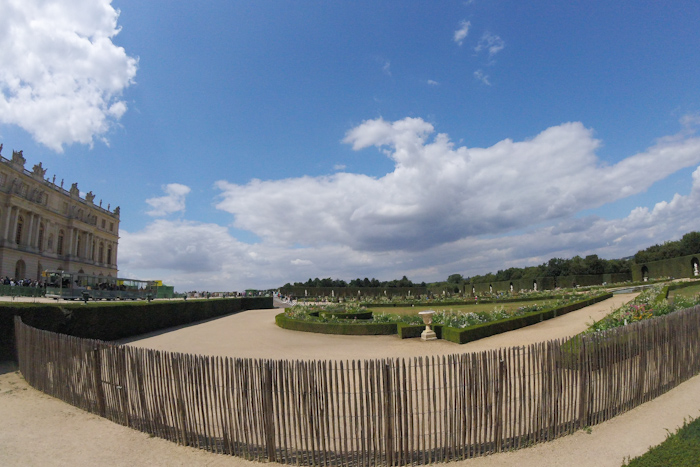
(689, 292)
(413, 310)
(680, 449)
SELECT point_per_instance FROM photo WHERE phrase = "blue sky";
(250, 144)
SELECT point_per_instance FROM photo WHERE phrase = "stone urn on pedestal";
(428, 334)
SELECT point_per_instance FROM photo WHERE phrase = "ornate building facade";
(45, 227)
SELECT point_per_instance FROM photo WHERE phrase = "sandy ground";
(36, 429)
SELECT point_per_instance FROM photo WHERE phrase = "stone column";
(30, 230)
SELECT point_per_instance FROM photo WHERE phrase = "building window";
(65, 208)
(41, 237)
(92, 251)
(109, 255)
(103, 223)
(59, 243)
(77, 246)
(111, 226)
(18, 234)
(101, 255)
(3, 179)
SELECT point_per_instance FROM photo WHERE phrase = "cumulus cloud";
(200, 256)
(439, 193)
(491, 43)
(173, 201)
(62, 76)
(461, 33)
(442, 209)
(432, 82)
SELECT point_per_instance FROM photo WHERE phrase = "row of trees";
(555, 267)
(689, 244)
(366, 282)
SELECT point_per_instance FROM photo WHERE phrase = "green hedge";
(349, 329)
(346, 315)
(472, 333)
(110, 321)
(407, 331)
(461, 302)
(679, 285)
(457, 335)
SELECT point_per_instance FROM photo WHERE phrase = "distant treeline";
(689, 244)
(366, 282)
(555, 267)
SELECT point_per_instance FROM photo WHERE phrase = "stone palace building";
(45, 227)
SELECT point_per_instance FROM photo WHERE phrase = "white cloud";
(61, 76)
(490, 42)
(443, 209)
(461, 33)
(199, 256)
(481, 76)
(339, 167)
(432, 82)
(173, 201)
(438, 193)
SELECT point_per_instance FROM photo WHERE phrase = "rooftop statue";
(38, 170)
(18, 158)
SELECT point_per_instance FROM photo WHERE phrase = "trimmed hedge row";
(407, 331)
(461, 302)
(667, 289)
(348, 329)
(456, 335)
(346, 315)
(472, 333)
(110, 321)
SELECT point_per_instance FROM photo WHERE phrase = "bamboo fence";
(370, 412)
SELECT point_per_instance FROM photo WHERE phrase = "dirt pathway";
(254, 334)
(37, 429)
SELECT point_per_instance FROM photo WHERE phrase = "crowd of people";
(22, 282)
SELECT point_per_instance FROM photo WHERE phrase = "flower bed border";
(456, 335)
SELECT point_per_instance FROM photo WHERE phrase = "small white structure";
(428, 334)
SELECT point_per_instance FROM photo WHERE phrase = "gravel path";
(39, 430)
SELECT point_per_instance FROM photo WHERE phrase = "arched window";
(59, 243)
(40, 244)
(20, 269)
(20, 225)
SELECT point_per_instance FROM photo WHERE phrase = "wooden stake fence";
(371, 412)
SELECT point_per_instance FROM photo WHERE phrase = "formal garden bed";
(456, 325)
(653, 302)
